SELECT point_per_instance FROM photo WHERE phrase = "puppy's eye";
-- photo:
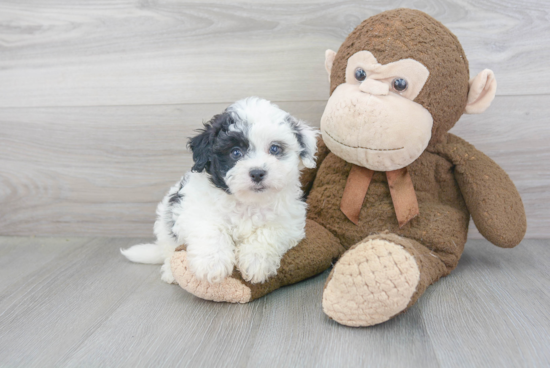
(399, 84)
(275, 150)
(360, 74)
(236, 153)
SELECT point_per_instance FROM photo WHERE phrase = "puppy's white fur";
(236, 221)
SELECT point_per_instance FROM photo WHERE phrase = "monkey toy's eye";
(360, 74)
(399, 84)
(236, 153)
(275, 150)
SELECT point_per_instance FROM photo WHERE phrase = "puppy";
(241, 204)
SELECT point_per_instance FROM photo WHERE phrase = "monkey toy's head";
(398, 83)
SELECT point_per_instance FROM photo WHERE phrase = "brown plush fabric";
(405, 33)
(441, 226)
(492, 198)
(308, 175)
(451, 180)
(437, 236)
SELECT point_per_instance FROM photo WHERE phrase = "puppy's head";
(254, 149)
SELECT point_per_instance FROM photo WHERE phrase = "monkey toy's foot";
(230, 290)
(372, 282)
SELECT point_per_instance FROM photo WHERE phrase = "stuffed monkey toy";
(393, 192)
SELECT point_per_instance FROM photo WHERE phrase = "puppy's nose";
(257, 175)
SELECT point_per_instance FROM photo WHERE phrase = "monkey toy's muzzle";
(374, 128)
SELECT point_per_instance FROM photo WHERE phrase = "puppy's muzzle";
(257, 175)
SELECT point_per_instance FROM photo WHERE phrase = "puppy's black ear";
(307, 139)
(202, 144)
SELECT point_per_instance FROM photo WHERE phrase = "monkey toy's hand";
(490, 195)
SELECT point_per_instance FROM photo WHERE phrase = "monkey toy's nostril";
(257, 175)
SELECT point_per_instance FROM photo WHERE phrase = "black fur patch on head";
(221, 161)
(298, 133)
(201, 145)
(212, 148)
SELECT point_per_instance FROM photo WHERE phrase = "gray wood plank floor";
(68, 302)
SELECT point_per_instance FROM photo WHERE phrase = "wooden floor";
(77, 302)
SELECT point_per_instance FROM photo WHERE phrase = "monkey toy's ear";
(483, 88)
(329, 60)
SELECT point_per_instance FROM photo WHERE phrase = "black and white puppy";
(241, 203)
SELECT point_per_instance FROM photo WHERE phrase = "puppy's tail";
(148, 253)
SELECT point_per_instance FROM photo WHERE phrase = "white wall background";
(97, 98)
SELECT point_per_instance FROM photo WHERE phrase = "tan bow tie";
(401, 190)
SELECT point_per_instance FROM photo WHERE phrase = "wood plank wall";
(97, 98)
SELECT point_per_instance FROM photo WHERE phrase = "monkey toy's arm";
(490, 195)
(308, 175)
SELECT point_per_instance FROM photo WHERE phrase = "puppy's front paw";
(212, 267)
(257, 268)
(166, 273)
